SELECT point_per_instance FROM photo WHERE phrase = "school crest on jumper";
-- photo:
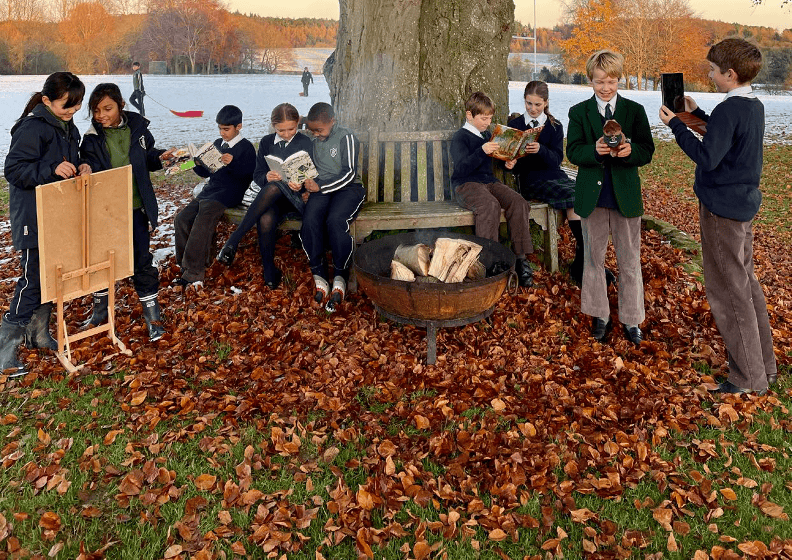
(333, 151)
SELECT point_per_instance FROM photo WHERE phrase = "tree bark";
(406, 65)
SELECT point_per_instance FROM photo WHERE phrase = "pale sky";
(548, 12)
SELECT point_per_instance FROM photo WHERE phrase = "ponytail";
(35, 99)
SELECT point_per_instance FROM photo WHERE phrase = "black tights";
(265, 212)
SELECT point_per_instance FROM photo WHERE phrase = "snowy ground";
(257, 94)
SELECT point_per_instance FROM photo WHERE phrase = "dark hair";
(56, 86)
(284, 112)
(540, 89)
(739, 55)
(100, 92)
(479, 103)
(136, 63)
(322, 112)
(230, 115)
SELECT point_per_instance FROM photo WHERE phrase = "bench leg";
(550, 241)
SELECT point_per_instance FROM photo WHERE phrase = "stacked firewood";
(450, 260)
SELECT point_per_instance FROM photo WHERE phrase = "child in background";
(335, 200)
(195, 224)
(271, 203)
(728, 170)
(118, 138)
(44, 149)
(608, 194)
(540, 174)
(477, 189)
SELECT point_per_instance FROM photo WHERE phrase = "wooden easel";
(76, 271)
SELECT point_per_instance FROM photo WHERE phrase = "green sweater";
(117, 141)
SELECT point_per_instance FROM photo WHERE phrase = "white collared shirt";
(279, 139)
(541, 119)
(473, 129)
(743, 91)
(601, 104)
(234, 141)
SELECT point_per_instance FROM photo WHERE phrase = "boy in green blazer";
(608, 194)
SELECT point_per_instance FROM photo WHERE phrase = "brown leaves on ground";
(511, 403)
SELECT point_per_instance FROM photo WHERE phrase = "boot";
(11, 336)
(99, 312)
(151, 313)
(37, 334)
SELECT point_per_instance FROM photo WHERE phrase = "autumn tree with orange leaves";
(654, 36)
(87, 31)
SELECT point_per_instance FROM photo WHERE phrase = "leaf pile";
(525, 404)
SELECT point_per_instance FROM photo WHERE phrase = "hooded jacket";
(142, 156)
(39, 144)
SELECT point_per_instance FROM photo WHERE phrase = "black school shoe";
(600, 329)
(524, 273)
(633, 334)
(729, 388)
(227, 254)
(275, 282)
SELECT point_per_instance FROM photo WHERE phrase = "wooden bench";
(407, 176)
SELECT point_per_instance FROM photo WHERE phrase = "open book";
(512, 141)
(182, 159)
(297, 167)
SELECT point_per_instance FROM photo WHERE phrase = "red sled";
(302, 94)
(187, 114)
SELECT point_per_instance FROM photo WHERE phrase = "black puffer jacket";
(38, 145)
(142, 156)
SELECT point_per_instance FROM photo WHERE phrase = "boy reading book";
(195, 224)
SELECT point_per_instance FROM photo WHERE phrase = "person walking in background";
(136, 99)
(307, 78)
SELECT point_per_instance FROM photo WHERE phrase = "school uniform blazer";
(585, 127)
(143, 157)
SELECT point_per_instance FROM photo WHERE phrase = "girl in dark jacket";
(44, 149)
(117, 138)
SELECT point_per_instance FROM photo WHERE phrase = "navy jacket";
(729, 158)
(471, 164)
(142, 156)
(38, 145)
(228, 184)
(545, 165)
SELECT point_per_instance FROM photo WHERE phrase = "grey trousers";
(195, 227)
(736, 299)
(486, 202)
(626, 235)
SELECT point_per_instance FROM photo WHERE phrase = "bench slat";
(388, 185)
(406, 171)
(437, 164)
(372, 185)
(422, 172)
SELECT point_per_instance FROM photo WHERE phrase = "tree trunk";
(410, 64)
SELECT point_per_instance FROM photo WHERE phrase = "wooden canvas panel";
(78, 231)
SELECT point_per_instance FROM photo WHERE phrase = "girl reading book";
(539, 171)
(277, 198)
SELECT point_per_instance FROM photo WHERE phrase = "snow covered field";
(257, 94)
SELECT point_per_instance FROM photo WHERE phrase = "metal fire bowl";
(440, 303)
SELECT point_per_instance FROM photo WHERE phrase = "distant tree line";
(191, 36)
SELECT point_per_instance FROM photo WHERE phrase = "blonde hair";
(612, 63)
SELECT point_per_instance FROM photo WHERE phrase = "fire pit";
(430, 305)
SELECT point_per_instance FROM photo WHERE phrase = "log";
(401, 272)
(415, 257)
(452, 258)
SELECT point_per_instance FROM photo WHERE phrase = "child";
(477, 189)
(195, 224)
(44, 148)
(539, 172)
(335, 200)
(608, 194)
(728, 168)
(117, 138)
(271, 204)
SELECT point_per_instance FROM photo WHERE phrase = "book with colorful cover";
(512, 141)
